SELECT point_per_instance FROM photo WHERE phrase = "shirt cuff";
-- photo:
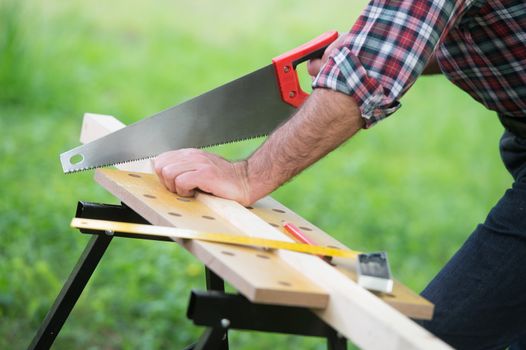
(345, 73)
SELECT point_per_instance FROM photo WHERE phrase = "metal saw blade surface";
(247, 107)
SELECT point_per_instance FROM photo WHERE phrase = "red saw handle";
(285, 66)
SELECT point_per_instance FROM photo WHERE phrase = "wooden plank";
(259, 275)
(273, 212)
(95, 126)
(402, 298)
(257, 280)
(354, 312)
(284, 278)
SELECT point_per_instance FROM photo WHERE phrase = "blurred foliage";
(12, 53)
(415, 185)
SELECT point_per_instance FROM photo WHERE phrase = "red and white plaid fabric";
(479, 44)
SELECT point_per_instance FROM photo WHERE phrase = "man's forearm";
(325, 121)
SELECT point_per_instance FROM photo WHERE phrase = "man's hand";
(186, 170)
(327, 119)
(314, 65)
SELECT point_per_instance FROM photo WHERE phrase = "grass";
(415, 185)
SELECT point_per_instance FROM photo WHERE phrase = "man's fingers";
(169, 165)
(160, 162)
(170, 172)
(167, 176)
(186, 184)
(180, 156)
(185, 171)
(313, 67)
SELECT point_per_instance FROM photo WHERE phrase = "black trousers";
(480, 295)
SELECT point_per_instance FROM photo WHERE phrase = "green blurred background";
(415, 185)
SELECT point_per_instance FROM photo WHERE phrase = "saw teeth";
(71, 171)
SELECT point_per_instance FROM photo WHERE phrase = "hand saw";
(248, 107)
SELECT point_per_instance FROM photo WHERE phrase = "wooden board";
(260, 276)
(281, 277)
(364, 318)
(402, 298)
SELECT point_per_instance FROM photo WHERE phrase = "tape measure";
(172, 232)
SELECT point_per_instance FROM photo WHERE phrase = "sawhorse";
(214, 309)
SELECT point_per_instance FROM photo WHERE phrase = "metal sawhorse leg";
(214, 309)
(82, 271)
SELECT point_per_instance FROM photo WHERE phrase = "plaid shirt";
(480, 46)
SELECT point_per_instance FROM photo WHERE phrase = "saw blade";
(245, 108)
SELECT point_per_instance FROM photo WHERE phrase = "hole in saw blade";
(227, 253)
(279, 211)
(174, 214)
(208, 217)
(283, 283)
(149, 196)
(134, 175)
(76, 159)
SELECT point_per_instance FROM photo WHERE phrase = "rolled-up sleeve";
(386, 50)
